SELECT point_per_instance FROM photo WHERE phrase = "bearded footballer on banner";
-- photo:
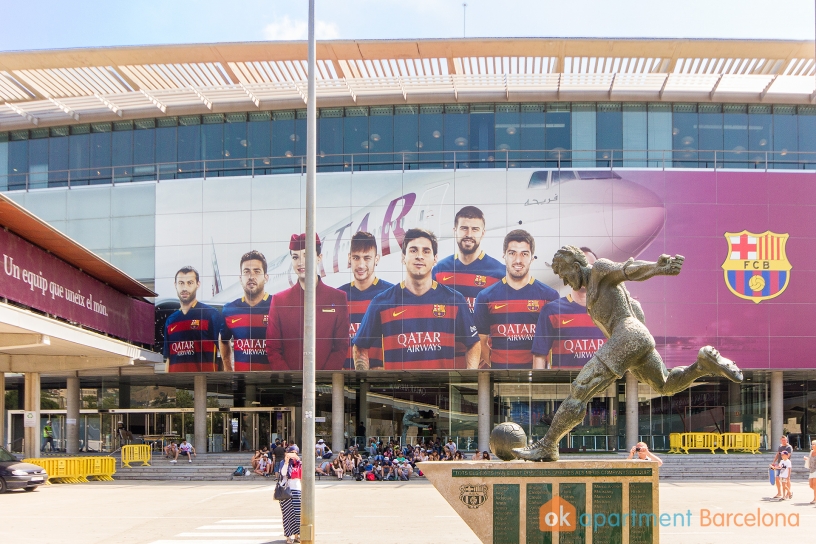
(507, 312)
(191, 332)
(565, 335)
(245, 319)
(363, 259)
(284, 333)
(419, 321)
(470, 270)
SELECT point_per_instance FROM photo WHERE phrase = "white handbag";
(807, 462)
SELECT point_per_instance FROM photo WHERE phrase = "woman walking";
(291, 474)
(812, 469)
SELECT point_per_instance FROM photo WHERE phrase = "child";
(785, 467)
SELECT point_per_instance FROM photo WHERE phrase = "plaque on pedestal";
(565, 502)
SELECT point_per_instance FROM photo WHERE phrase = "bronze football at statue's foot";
(537, 452)
(712, 363)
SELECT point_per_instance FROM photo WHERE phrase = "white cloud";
(286, 29)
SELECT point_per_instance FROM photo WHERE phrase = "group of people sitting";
(172, 451)
(267, 461)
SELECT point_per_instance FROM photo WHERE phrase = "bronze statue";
(630, 345)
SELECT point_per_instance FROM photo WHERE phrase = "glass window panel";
(144, 154)
(137, 262)
(57, 162)
(735, 136)
(330, 141)
(431, 123)
(659, 135)
(300, 141)
(166, 151)
(609, 134)
(135, 231)
(356, 143)
(212, 146)
(38, 163)
(122, 156)
(760, 136)
(456, 136)
(406, 135)
(235, 145)
(685, 137)
(806, 128)
(785, 137)
(482, 138)
(381, 139)
(557, 135)
(259, 144)
(100, 160)
(710, 131)
(4, 153)
(508, 134)
(189, 151)
(584, 128)
(635, 134)
(79, 158)
(17, 164)
(532, 136)
(91, 233)
(130, 200)
(283, 142)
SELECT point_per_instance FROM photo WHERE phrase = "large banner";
(228, 269)
(40, 280)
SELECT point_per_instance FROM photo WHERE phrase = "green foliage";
(12, 400)
(184, 399)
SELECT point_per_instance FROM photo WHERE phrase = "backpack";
(240, 471)
(370, 477)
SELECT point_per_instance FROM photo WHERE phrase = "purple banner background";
(696, 308)
(51, 283)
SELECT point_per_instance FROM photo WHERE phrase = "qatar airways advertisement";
(443, 269)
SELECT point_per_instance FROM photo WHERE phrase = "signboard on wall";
(42, 281)
(749, 298)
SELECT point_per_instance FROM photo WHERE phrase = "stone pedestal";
(575, 502)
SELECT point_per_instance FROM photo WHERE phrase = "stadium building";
(172, 163)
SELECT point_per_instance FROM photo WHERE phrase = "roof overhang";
(30, 342)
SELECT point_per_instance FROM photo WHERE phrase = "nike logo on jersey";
(234, 321)
(446, 278)
(173, 327)
(395, 314)
(565, 321)
(499, 306)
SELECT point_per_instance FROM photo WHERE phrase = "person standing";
(785, 469)
(783, 446)
(812, 469)
(507, 311)
(48, 437)
(191, 332)
(244, 320)
(284, 333)
(363, 259)
(278, 453)
(565, 335)
(291, 474)
(419, 321)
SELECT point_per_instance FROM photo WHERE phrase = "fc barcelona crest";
(756, 267)
(439, 310)
(533, 306)
(195, 323)
(473, 495)
(480, 281)
(266, 319)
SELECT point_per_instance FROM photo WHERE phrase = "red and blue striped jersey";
(190, 340)
(566, 334)
(469, 279)
(418, 333)
(246, 326)
(509, 317)
(358, 305)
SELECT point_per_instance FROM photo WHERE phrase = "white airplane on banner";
(599, 209)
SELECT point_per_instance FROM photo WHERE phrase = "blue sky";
(52, 24)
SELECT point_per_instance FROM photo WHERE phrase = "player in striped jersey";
(565, 334)
(419, 320)
(470, 270)
(507, 312)
(363, 259)
(191, 333)
(245, 319)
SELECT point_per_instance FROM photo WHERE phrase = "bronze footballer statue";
(630, 345)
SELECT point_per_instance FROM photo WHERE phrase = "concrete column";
(32, 435)
(338, 442)
(777, 410)
(363, 414)
(631, 410)
(3, 440)
(735, 410)
(250, 395)
(200, 413)
(72, 417)
(485, 404)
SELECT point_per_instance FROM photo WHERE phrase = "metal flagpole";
(307, 513)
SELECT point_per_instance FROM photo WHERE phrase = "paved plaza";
(348, 512)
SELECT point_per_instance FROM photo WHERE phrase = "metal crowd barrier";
(682, 442)
(74, 470)
(136, 453)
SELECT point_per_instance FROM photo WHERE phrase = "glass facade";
(605, 134)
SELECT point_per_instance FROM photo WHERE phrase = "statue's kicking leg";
(668, 382)
(593, 378)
